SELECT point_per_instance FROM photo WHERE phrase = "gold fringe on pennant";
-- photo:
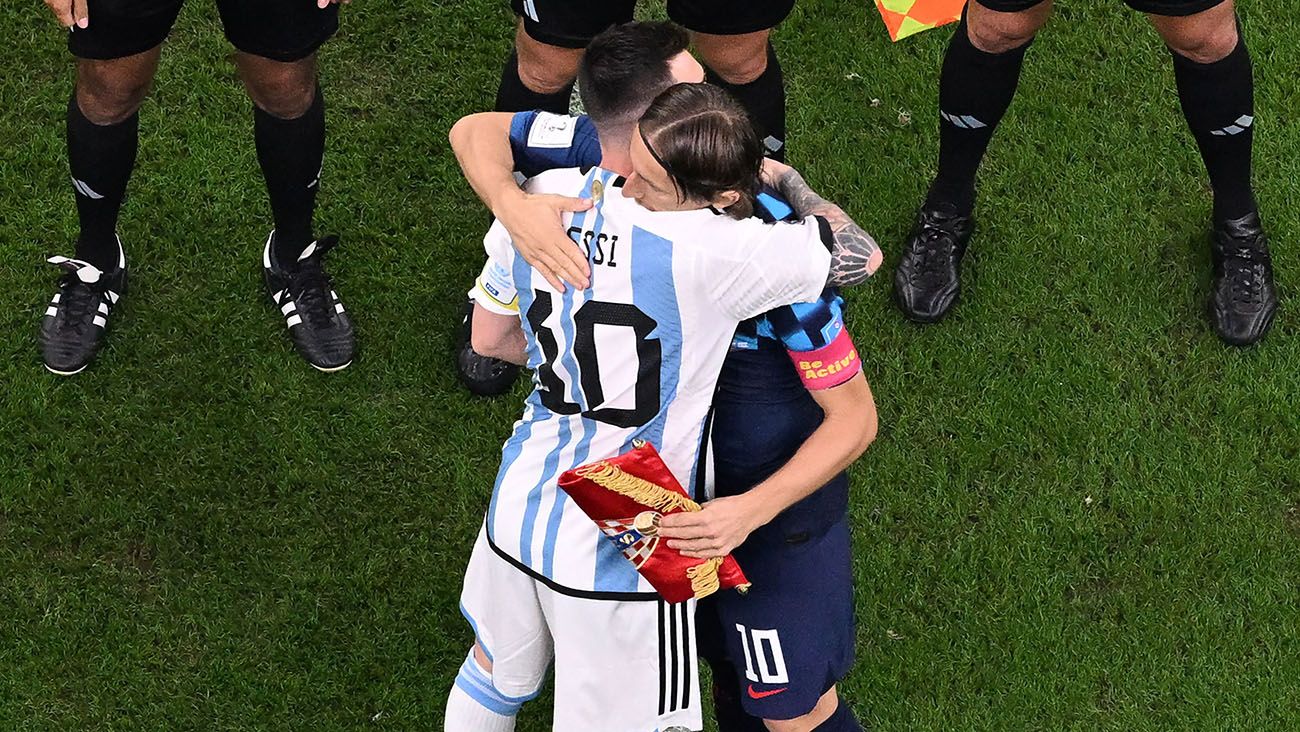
(638, 489)
(704, 577)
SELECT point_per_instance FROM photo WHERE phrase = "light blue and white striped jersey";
(635, 356)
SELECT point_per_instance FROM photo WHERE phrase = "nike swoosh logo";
(764, 694)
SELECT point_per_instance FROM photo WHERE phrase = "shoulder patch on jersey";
(551, 130)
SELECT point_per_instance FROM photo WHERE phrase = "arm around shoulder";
(855, 256)
(481, 143)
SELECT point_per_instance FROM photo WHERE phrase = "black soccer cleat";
(482, 375)
(76, 320)
(1243, 297)
(318, 324)
(928, 278)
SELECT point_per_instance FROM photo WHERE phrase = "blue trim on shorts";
(478, 637)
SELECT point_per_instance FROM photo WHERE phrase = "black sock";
(975, 90)
(764, 98)
(101, 158)
(1218, 101)
(513, 96)
(291, 152)
(841, 721)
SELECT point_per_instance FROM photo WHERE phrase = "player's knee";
(741, 70)
(798, 724)
(1201, 42)
(994, 32)
(828, 715)
(106, 95)
(543, 68)
(283, 90)
(737, 59)
(481, 658)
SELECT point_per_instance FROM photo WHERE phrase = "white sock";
(474, 705)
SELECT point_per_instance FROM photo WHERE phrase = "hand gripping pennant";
(626, 496)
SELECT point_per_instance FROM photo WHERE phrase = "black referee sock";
(101, 158)
(291, 152)
(1218, 101)
(975, 90)
(764, 98)
(514, 96)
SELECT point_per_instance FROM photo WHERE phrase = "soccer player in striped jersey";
(634, 356)
(628, 65)
(631, 64)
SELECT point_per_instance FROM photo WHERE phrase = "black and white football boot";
(76, 320)
(1243, 297)
(318, 324)
(482, 375)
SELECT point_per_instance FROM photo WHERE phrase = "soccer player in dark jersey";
(767, 351)
(791, 412)
(1215, 86)
(117, 44)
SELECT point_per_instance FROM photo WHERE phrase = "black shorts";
(1171, 8)
(281, 30)
(573, 23)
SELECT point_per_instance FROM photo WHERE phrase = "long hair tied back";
(706, 142)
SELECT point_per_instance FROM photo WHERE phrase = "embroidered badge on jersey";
(552, 131)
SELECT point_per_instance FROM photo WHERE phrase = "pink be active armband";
(829, 366)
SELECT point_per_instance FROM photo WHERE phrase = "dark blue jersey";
(543, 141)
(763, 411)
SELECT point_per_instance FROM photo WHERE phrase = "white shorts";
(620, 666)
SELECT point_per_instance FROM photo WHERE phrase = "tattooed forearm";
(796, 191)
(855, 255)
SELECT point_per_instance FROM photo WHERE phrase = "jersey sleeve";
(495, 287)
(817, 341)
(808, 326)
(763, 266)
(542, 141)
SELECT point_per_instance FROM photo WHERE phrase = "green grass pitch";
(1082, 512)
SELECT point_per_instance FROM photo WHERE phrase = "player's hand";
(714, 531)
(322, 4)
(535, 226)
(71, 13)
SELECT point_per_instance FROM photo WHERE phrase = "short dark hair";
(625, 67)
(707, 142)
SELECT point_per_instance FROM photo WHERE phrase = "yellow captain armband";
(496, 296)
